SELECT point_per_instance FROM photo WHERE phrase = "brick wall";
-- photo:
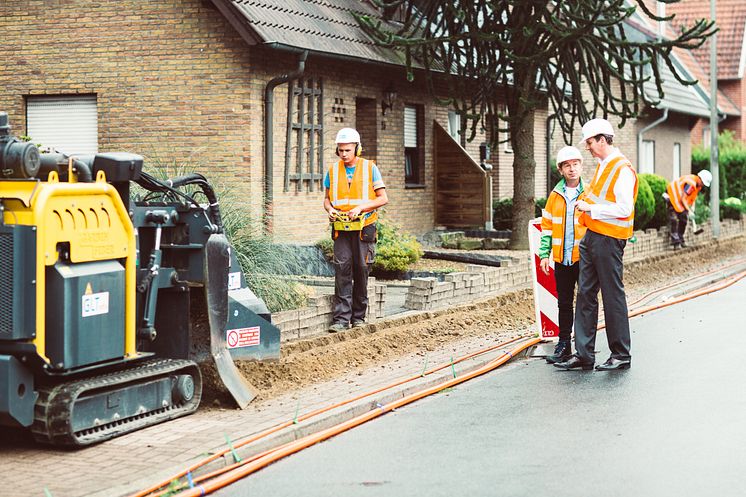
(175, 83)
(164, 73)
(676, 129)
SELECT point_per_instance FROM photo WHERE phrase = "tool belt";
(344, 223)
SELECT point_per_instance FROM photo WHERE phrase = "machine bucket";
(217, 266)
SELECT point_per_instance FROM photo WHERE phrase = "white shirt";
(624, 190)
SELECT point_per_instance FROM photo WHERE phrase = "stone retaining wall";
(316, 317)
(457, 288)
(478, 282)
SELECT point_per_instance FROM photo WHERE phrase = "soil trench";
(305, 362)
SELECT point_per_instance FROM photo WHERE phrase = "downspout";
(550, 186)
(645, 130)
(269, 138)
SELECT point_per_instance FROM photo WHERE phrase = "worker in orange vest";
(353, 186)
(608, 211)
(680, 196)
(560, 239)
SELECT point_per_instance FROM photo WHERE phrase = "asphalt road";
(673, 425)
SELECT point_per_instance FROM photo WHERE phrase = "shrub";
(645, 204)
(395, 250)
(658, 186)
(732, 208)
(732, 165)
(502, 212)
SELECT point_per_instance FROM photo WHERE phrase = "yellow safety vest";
(601, 191)
(676, 193)
(346, 196)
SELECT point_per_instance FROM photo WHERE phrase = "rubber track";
(53, 410)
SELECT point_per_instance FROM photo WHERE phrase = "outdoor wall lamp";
(389, 96)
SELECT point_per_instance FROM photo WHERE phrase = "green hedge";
(645, 203)
(732, 166)
(658, 186)
(502, 212)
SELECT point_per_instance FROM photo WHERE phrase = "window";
(647, 156)
(454, 125)
(505, 133)
(413, 148)
(66, 123)
(676, 160)
(706, 137)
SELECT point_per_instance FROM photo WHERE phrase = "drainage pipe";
(269, 138)
(645, 130)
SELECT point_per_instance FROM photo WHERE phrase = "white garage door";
(68, 124)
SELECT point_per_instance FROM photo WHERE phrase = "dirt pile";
(503, 317)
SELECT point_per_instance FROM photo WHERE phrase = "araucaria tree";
(505, 59)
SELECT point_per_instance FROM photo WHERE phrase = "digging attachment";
(217, 267)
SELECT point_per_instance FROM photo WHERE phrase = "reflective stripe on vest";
(601, 191)
(553, 223)
(345, 196)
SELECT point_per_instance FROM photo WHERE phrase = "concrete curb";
(323, 421)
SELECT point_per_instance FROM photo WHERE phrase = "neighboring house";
(730, 18)
(194, 81)
(659, 141)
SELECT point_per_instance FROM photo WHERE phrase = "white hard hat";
(347, 135)
(596, 127)
(569, 153)
(706, 177)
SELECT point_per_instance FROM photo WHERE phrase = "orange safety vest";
(553, 223)
(678, 195)
(345, 196)
(601, 191)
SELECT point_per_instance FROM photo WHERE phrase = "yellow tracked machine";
(98, 296)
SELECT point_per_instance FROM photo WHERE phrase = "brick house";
(731, 61)
(188, 81)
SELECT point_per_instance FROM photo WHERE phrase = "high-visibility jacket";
(346, 196)
(601, 191)
(682, 192)
(554, 226)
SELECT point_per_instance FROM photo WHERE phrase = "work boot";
(337, 327)
(356, 323)
(562, 352)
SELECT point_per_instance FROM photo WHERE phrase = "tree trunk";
(524, 167)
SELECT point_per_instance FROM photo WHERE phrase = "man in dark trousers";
(608, 212)
(681, 193)
(354, 187)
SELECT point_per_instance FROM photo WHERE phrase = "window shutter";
(68, 124)
(410, 126)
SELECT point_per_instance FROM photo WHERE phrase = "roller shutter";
(68, 124)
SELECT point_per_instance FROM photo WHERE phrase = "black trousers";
(566, 278)
(677, 223)
(601, 268)
(352, 260)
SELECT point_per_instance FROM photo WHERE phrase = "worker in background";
(560, 239)
(607, 209)
(353, 186)
(680, 196)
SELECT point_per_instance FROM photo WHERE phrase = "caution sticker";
(234, 281)
(95, 304)
(243, 337)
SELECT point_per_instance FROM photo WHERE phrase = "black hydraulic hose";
(201, 181)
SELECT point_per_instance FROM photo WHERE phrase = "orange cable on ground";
(309, 440)
(269, 431)
(383, 409)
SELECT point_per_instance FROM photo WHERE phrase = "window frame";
(414, 157)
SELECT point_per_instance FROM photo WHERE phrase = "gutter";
(269, 99)
(645, 130)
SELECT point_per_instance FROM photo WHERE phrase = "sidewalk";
(133, 462)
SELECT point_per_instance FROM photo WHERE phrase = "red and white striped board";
(545, 288)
